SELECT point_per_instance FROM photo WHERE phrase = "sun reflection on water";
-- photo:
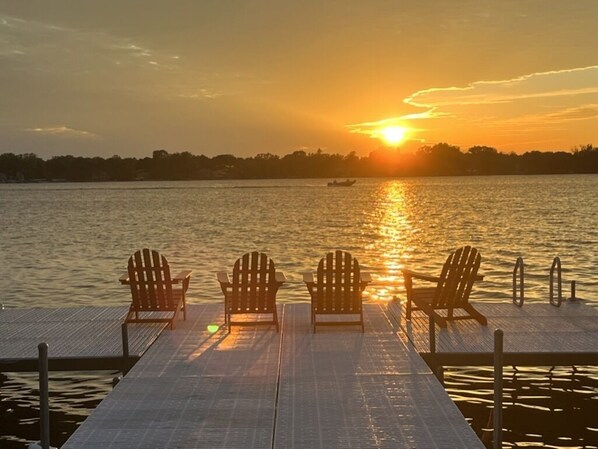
(393, 226)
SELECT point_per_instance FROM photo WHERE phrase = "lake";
(67, 244)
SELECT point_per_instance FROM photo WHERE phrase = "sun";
(393, 135)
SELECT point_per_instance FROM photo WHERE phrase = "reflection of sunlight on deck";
(393, 229)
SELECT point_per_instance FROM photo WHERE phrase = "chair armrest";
(185, 274)
(124, 279)
(479, 277)
(222, 277)
(308, 277)
(280, 277)
(184, 277)
(422, 276)
(365, 278)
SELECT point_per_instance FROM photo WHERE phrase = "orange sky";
(240, 77)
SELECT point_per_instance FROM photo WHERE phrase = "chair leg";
(429, 310)
(440, 320)
(276, 319)
(475, 314)
(408, 308)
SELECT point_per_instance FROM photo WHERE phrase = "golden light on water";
(394, 229)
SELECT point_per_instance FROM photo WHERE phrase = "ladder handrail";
(556, 263)
(519, 268)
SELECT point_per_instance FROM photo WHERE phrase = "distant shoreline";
(66, 181)
(438, 160)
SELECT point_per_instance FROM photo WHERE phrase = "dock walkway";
(534, 335)
(255, 388)
(79, 338)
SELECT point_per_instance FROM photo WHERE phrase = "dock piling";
(125, 340)
(432, 330)
(498, 387)
(44, 408)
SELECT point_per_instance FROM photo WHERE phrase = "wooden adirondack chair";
(452, 289)
(337, 289)
(252, 290)
(156, 296)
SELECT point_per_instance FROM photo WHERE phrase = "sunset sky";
(97, 78)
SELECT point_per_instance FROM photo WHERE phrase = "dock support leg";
(125, 339)
(498, 387)
(432, 331)
(44, 407)
(439, 373)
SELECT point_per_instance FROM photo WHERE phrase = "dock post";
(498, 386)
(44, 408)
(573, 297)
(432, 331)
(125, 339)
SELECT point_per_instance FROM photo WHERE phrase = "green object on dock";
(213, 328)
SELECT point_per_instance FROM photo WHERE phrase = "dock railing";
(518, 274)
(556, 265)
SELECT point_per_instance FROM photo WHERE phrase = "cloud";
(62, 131)
(372, 129)
(522, 104)
(62, 48)
(578, 81)
(585, 112)
(202, 94)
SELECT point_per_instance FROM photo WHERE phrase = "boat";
(346, 183)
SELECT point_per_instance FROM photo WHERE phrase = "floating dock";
(537, 334)
(256, 388)
(82, 338)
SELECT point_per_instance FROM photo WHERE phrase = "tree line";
(438, 160)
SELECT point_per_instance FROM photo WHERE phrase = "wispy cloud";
(518, 105)
(372, 129)
(201, 94)
(63, 131)
(41, 41)
(558, 83)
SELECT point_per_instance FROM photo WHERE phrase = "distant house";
(222, 173)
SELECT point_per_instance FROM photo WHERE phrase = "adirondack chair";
(337, 289)
(255, 283)
(452, 289)
(157, 297)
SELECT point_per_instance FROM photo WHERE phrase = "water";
(66, 244)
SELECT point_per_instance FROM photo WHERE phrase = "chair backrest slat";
(150, 281)
(254, 284)
(338, 286)
(457, 278)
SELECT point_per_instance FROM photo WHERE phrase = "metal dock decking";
(82, 338)
(535, 334)
(255, 388)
